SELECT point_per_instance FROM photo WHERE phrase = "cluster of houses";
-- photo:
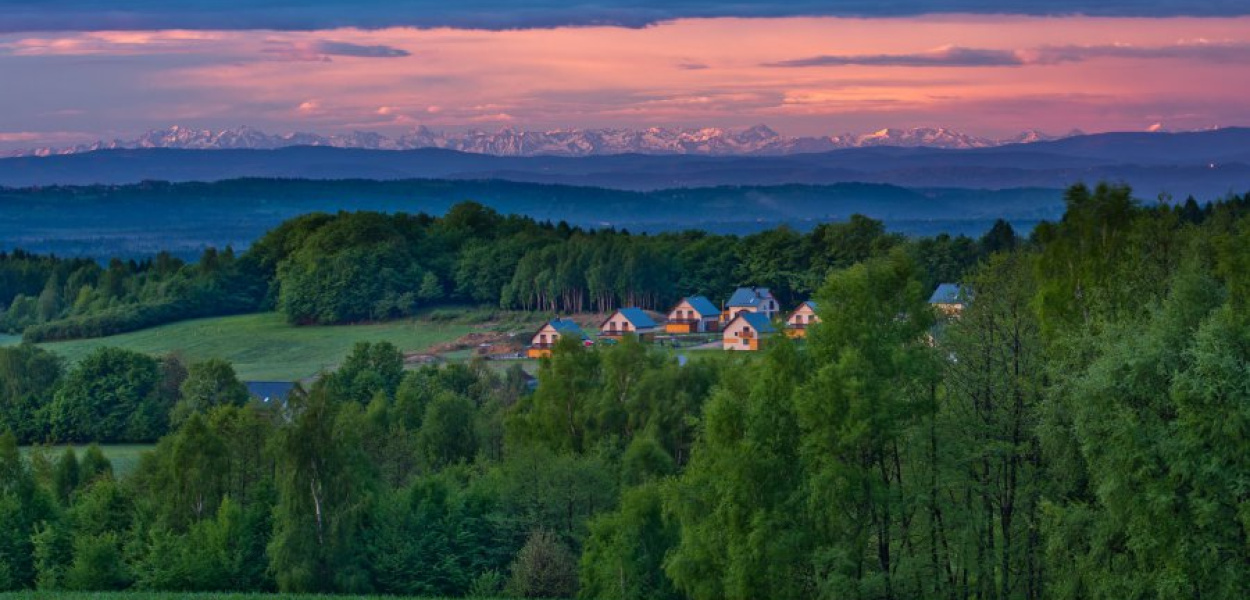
(746, 320)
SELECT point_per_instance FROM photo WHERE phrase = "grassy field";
(124, 457)
(265, 347)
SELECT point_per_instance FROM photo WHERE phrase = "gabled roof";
(638, 317)
(566, 327)
(950, 293)
(269, 391)
(702, 305)
(757, 322)
(808, 303)
(745, 296)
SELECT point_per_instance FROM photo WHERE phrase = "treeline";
(111, 396)
(375, 479)
(366, 266)
(1080, 432)
(53, 299)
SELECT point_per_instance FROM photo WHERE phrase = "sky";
(72, 72)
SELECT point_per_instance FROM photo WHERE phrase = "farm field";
(124, 457)
(264, 346)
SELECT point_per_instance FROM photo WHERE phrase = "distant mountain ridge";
(757, 140)
(1207, 164)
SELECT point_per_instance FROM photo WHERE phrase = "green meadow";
(264, 346)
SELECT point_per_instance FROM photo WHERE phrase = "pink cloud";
(985, 74)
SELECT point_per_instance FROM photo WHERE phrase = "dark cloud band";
(92, 15)
(1235, 53)
(946, 57)
(1227, 52)
(359, 51)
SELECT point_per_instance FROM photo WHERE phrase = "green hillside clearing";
(265, 347)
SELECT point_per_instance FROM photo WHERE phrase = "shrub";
(544, 568)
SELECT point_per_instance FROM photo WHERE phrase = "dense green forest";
(1082, 431)
(365, 266)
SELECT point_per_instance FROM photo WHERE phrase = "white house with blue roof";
(950, 299)
(545, 338)
(694, 314)
(751, 299)
(629, 321)
(747, 332)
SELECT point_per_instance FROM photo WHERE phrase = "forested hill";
(183, 218)
(1079, 432)
(353, 267)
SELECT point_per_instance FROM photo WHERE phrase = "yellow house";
(629, 320)
(545, 338)
(695, 314)
(803, 317)
(746, 332)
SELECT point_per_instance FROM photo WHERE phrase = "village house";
(950, 299)
(546, 337)
(629, 320)
(269, 393)
(694, 314)
(746, 331)
(802, 318)
(753, 300)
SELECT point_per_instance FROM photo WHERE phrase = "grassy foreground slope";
(180, 596)
(264, 346)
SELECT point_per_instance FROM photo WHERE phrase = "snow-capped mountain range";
(757, 140)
